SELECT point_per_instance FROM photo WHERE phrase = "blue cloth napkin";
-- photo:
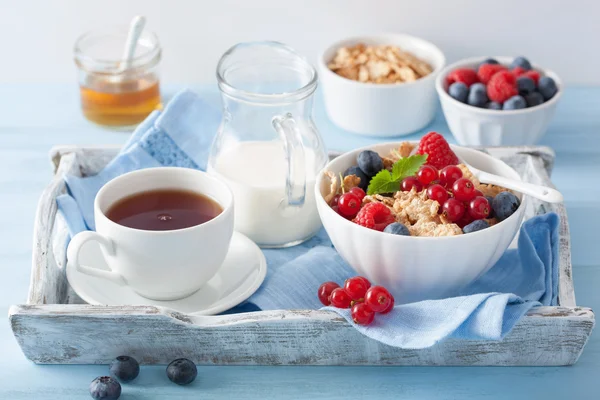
(488, 309)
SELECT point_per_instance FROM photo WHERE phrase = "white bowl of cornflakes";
(381, 85)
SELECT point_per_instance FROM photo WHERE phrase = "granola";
(378, 64)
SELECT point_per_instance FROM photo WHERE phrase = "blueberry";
(105, 388)
(514, 103)
(459, 91)
(547, 87)
(477, 95)
(182, 371)
(397, 228)
(364, 180)
(490, 199)
(488, 61)
(505, 204)
(493, 105)
(476, 225)
(521, 62)
(525, 85)
(369, 162)
(534, 99)
(125, 368)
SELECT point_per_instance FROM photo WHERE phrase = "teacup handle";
(75, 247)
(288, 131)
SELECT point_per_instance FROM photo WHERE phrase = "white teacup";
(159, 265)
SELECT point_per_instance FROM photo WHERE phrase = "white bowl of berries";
(498, 101)
(423, 231)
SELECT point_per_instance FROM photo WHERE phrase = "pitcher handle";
(295, 184)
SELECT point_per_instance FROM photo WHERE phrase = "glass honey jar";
(114, 93)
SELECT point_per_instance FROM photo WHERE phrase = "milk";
(256, 173)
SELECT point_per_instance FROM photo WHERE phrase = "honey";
(119, 103)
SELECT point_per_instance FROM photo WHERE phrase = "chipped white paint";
(57, 327)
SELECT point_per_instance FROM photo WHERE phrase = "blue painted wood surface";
(34, 118)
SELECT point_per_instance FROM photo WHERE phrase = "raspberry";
(518, 71)
(486, 71)
(438, 150)
(465, 75)
(502, 86)
(374, 216)
(533, 75)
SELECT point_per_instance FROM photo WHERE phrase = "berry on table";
(105, 388)
(410, 182)
(525, 85)
(124, 368)
(505, 204)
(533, 74)
(476, 225)
(339, 298)
(449, 175)
(453, 209)
(374, 216)
(547, 87)
(489, 61)
(521, 62)
(479, 208)
(358, 192)
(355, 170)
(439, 153)
(396, 228)
(349, 205)
(534, 99)
(515, 103)
(378, 298)
(369, 162)
(390, 307)
(362, 314)
(458, 91)
(182, 371)
(365, 280)
(325, 291)
(463, 189)
(502, 86)
(477, 95)
(493, 105)
(486, 71)
(427, 174)
(438, 193)
(465, 75)
(356, 288)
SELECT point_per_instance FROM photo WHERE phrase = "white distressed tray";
(57, 327)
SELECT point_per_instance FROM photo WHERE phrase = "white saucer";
(241, 274)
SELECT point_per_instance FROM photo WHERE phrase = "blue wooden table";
(34, 118)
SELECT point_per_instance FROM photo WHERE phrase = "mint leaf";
(386, 182)
(383, 183)
(407, 166)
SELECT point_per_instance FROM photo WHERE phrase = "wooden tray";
(57, 327)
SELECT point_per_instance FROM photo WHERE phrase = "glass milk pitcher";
(268, 149)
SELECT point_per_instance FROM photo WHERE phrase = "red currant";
(339, 298)
(478, 193)
(362, 314)
(378, 298)
(438, 193)
(465, 220)
(356, 287)
(409, 182)
(365, 280)
(479, 208)
(349, 205)
(463, 189)
(358, 192)
(427, 174)
(449, 175)
(325, 291)
(453, 209)
(389, 308)
(335, 200)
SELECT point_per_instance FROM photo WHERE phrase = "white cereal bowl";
(374, 109)
(473, 126)
(418, 268)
